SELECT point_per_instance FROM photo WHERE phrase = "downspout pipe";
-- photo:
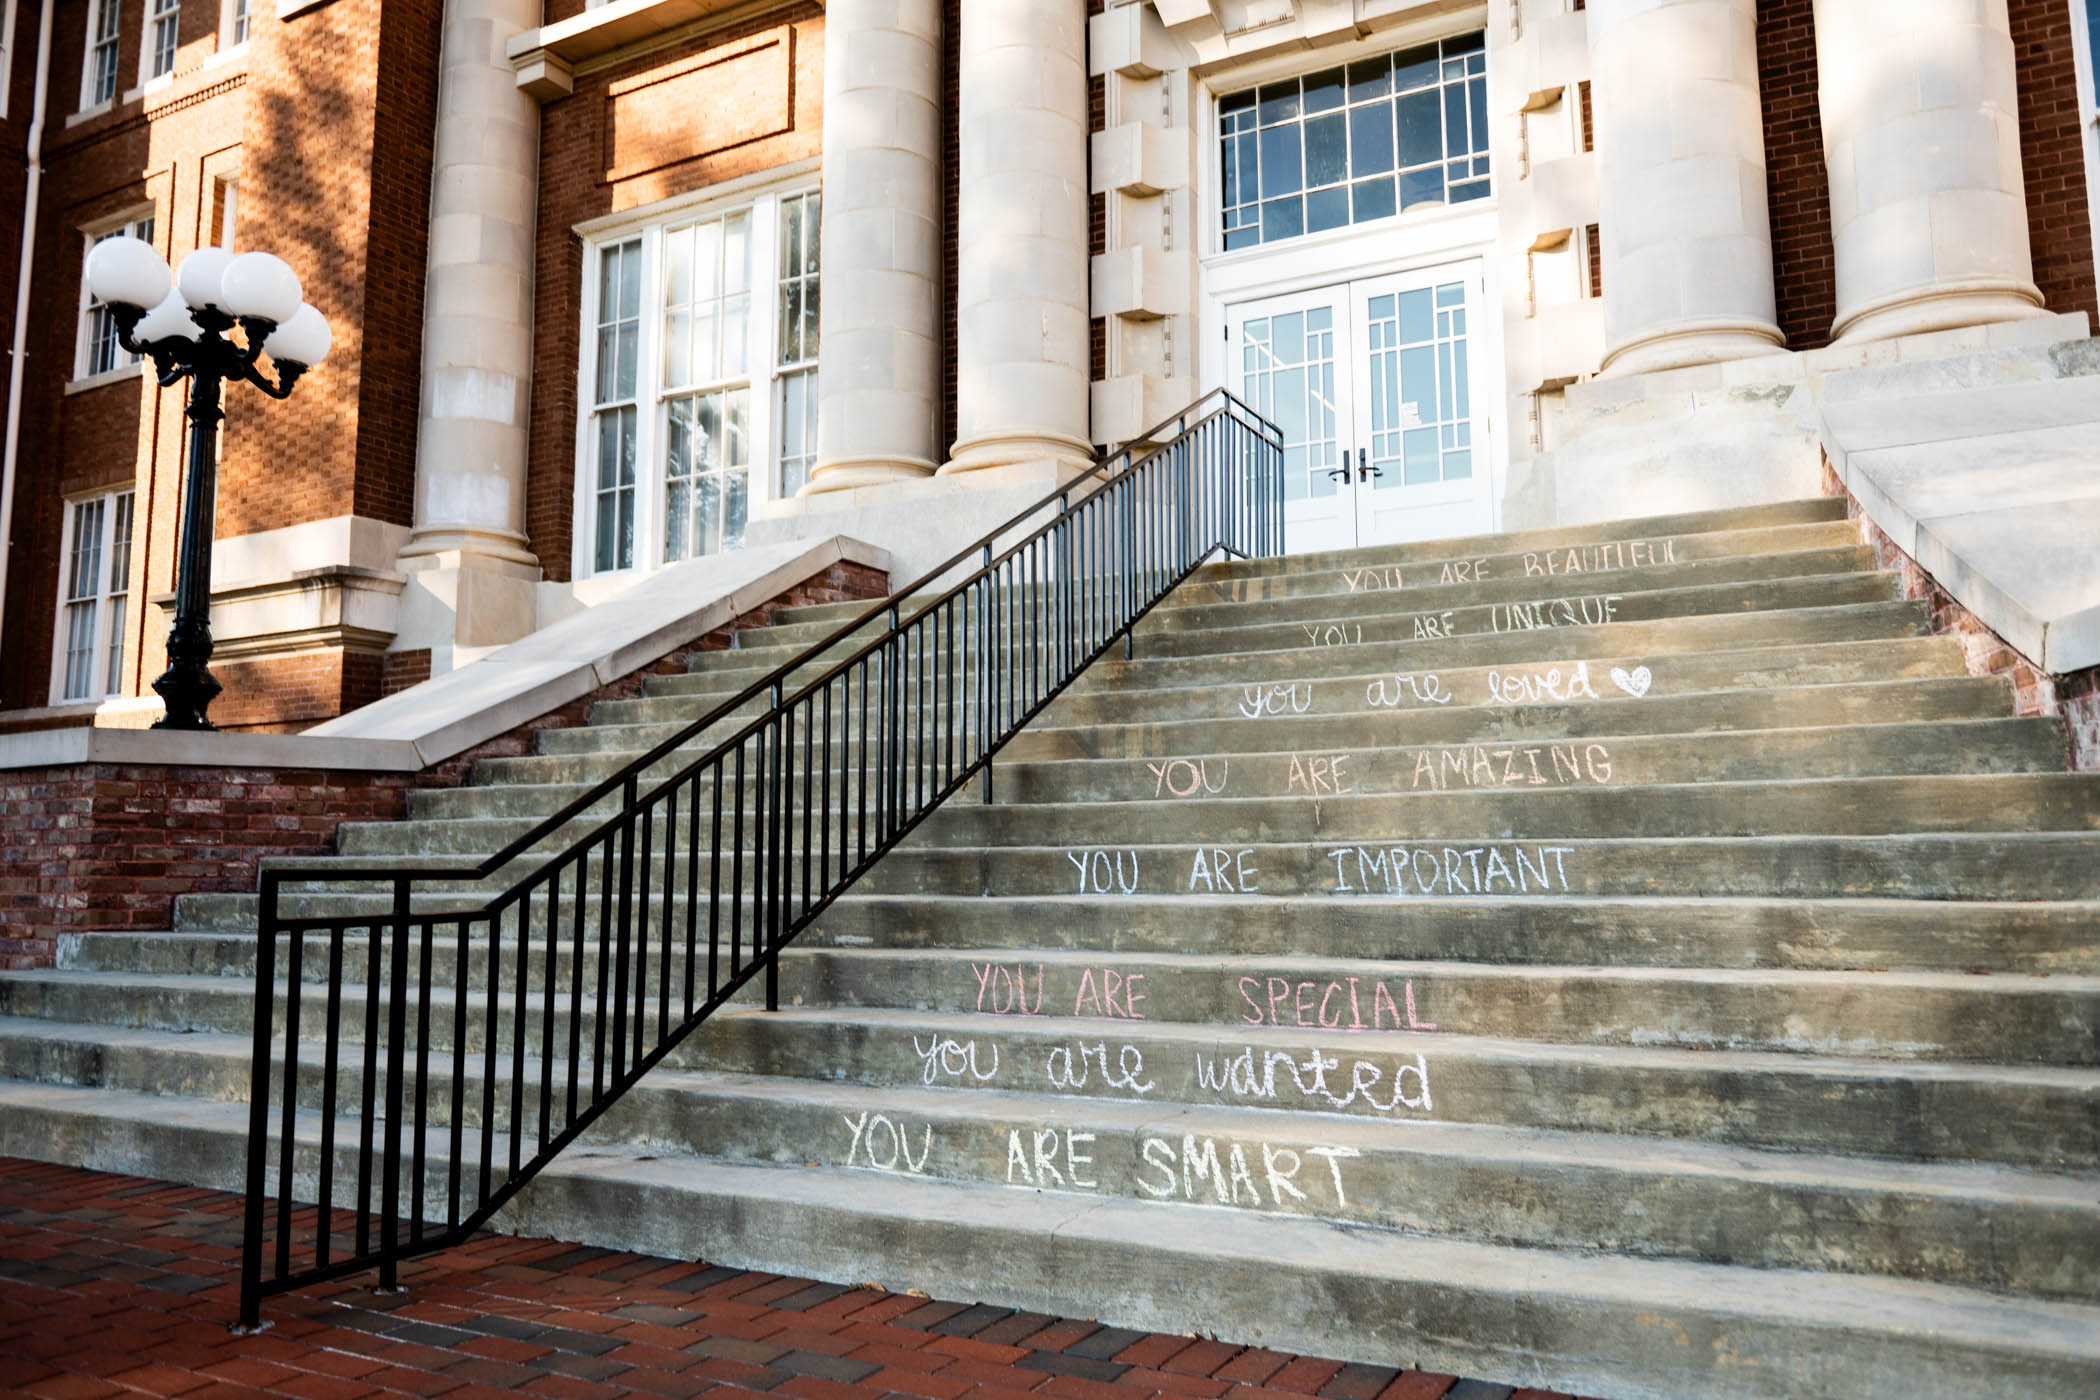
(18, 351)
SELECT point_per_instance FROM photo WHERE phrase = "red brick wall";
(96, 846)
(318, 109)
(341, 103)
(1797, 185)
(2052, 156)
(2075, 698)
(573, 189)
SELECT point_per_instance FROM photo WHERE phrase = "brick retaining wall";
(101, 846)
(2074, 697)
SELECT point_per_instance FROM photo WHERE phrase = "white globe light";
(170, 320)
(302, 339)
(199, 276)
(125, 271)
(260, 285)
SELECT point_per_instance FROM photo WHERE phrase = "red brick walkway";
(113, 1285)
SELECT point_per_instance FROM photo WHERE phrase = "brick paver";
(116, 1286)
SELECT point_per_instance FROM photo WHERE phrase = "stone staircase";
(1635, 959)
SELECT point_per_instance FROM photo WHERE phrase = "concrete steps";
(1634, 959)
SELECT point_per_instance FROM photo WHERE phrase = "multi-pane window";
(796, 352)
(92, 610)
(1287, 370)
(701, 365)
(100, 351)
(237, 23)
(100, 81)
(1421, 396)
(163, 23)
(1363, 141)
(706, 378)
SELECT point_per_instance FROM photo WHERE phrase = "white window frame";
(761, 195)
(233, 38)
(7, 53)
(109, 627)
(90, 99)
(148, 49)
(229, 192)
(2088, 116)
(138, 222)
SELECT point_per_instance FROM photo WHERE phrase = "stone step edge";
(562, 789)
(1394, 600)
(1986, 984)
(1807, 790)
(1045, 723)
(964, 1025)
(1225, 635)
(1593, 1325)
(1981, 1186)
(1602, 665)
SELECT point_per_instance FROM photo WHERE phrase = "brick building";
(571, 253)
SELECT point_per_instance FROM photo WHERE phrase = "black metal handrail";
(797, 804)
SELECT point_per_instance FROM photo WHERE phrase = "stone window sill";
(108, 377)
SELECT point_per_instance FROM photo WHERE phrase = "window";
(225, 210)
(98, 82)
(796, 355)
(236, 22)
(163, 26)
(700, 361)
(100, 351)
(1360, 142)
(93, 593)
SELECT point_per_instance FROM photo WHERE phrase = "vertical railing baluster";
(548, 1046)
(644, 885)
(259, 1103)
(331, 1058)
(491, 1026)
(455, 1158)
(286, 1173)
(396, 1019)
(423, 976)
(521, 996)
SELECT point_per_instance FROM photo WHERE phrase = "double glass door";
(1382, 414)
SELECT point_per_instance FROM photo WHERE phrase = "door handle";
(1341, 471)
(1364, 470)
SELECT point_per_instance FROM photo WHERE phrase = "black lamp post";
(184, 330)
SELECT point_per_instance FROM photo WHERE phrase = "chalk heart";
(1634, 682)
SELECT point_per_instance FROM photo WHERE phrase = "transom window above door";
(700, 349)
(1363, 141)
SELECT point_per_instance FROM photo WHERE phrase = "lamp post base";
(188, 687)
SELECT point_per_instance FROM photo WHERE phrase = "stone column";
(882, 244)
(477, 340)
(1021, 244)
(1687, 257)
(1921, 134)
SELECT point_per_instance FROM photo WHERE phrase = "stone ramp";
(1633, 958)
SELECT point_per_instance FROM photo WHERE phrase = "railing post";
(259, 1106)
(397, 1021)
(984, 669)
(777, 866)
